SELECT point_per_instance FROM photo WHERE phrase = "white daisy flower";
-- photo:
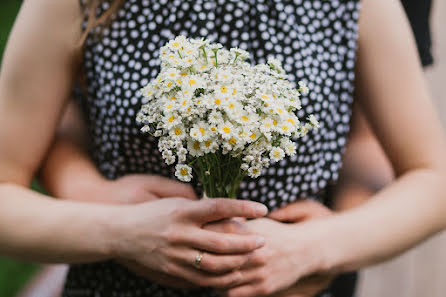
(303, 88)
(277, 154)
(313, 122)
(183, 172)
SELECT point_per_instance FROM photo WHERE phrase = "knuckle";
(259, 259)
(218, 206)
(173, 236)
(220, 244)
(262, 275)
(168, 268)
(264, 289)
(210, 265)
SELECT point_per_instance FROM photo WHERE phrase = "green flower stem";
(219, 174)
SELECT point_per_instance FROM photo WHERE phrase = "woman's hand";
(223, 226)
(166, 236)
(272, 268)
(298, 212)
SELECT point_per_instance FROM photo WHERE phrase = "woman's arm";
(365, 167)
(35, 78)
(394, 96)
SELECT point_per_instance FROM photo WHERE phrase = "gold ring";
(198, 259)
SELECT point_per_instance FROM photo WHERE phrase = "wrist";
(116, 231)
(91, 188)
(317, 246)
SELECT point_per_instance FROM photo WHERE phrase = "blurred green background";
(13, 274)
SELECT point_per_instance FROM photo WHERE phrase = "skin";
(67, 162)
(391, 90)
(38, 68)
(388, 76)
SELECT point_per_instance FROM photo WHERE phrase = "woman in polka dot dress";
(317, 42)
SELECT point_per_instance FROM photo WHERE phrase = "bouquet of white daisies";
(220, 117)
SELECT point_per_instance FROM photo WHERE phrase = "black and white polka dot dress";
(315, 40)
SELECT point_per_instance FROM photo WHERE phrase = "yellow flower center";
(279, 110)
(290, 121)
(231, 105)
(226, 129)
(207, 143)
(265, 97)
(179, 81)
(276, 154)
(274, 122)
(232, 141)
(172, 74)
(177, 131)
(245, 118)
(192, 82)
(183, 73)
(196, 145)
(183, 171)
(169, 84)
(234, 91)
(285, 128)
(175, 44)
(184, 102)
(171, 119)
(202, 131)
(223, 89)
(169, 106)
(173, 98)
(253, 136)
(217, 101)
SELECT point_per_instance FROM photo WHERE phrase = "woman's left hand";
(277, 265)
(284, 260)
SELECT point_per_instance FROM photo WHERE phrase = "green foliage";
(13, 275)
(8, 12)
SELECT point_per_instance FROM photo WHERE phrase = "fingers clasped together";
(184, 242)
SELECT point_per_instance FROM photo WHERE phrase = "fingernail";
(261, 209)
(260, 241)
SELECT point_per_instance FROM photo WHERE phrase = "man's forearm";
(65, 161)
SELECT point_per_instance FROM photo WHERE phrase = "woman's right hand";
(166, 236)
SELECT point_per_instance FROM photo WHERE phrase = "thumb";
(165, 187)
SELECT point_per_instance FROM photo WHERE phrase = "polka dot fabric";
(316, 42)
